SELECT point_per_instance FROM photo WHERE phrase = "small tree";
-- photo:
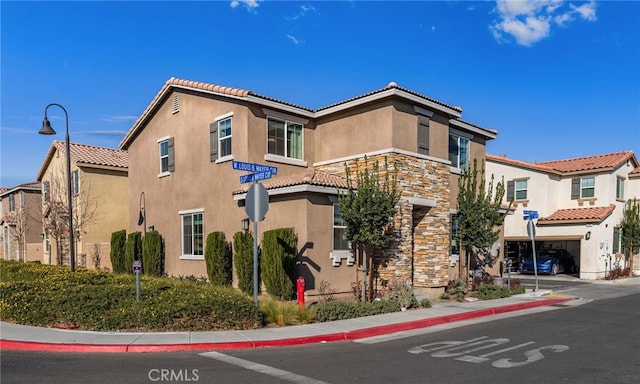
(278, 261)
(118, 241)
(217, 256)
(243, 260)
(630, 225)
(368, 208)
(133, 250)
(152, 253)
(480, 211)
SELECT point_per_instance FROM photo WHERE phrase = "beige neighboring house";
(579, 201)
(100, 191)
(183, 146)
(21, 221)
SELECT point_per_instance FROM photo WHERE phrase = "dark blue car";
(548, 263)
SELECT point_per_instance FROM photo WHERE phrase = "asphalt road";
(594, 340)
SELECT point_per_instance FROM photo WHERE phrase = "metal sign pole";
(255, 262)
(532, 234)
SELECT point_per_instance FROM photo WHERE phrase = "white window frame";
(620, 188)
(461, 138)
(516, 189)
(338, 227)
(190, 213)
(583, 187)
(75, 182)
(286, 123)
(160, 156)
(219, 120)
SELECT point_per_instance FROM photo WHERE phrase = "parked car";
(566, 259)
(547, 262)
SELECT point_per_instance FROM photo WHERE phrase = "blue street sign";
(530, 215)
(250, 178)
(252, 167)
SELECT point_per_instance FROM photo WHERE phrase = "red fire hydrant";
(300, 286)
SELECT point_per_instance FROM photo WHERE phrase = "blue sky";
(556, 79)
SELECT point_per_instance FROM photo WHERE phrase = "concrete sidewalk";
(20, 337)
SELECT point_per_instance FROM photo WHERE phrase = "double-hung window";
(284, 138)
(459, 151)
(220, 138)
(167, 155)
(340, 242)
(587, 187)
(620, 188)
(75, 183)
(45, 191)
(517, 189)
(192, 234)
(12, 203)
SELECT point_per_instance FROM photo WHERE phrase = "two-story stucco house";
(100, 194)
(21, 222)
(182, 146)
(580, 202)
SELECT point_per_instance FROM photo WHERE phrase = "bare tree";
(18, 220)
(56, 214)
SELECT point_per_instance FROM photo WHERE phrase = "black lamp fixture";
(48, 130)
(587, 235)
(142, 219)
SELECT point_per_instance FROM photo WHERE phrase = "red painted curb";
(339, 336)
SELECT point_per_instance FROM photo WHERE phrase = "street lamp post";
(47, 130)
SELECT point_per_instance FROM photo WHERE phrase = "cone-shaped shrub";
(152, 254)
(243, 260)
(278, 261)
(133, 250)
(118, 241)
(217, 256)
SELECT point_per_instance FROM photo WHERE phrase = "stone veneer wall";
(421, 247)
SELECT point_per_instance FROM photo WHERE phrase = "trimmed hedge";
(152, 254)
(217, 256)
(133, 250)
(243, 260)
(278, 261)
(47, 295)
(118, 241)
(341, 310)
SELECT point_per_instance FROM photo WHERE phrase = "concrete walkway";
(20, 337)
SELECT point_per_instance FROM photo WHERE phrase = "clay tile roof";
(89, 154)
(518, 163)
(635, 172)
(581, 215)
(589, 163)
(309, 177)
(3, 190)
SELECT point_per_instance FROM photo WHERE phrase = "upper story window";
(620, 188)
(284, 138)
(12, 203)
(75, 183)
(459, 151)
(192, 234)
(45, 191)
(21, 199)
(167, 155)
(517, 189)
(340, 243)
(583, 188)
(220, 138)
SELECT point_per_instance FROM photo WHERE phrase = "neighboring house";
(100, 194)
(580, 202)
(21, 221)
(182, 146)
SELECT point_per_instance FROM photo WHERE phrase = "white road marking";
(261, 368)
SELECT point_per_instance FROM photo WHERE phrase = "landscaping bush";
(217, 256)
(243, 260)
(278, 262)
(152, 254)
(425, 303)
(490, 291)
(340, 310)
(401, 292)
(133, 250)
(118, 241)
(45, 295)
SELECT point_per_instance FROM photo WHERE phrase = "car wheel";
(554, 269)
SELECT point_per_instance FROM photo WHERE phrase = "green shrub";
(490, 291)
(45, 295)
(278, 262)
(425, 303)
(401, 292)
(217, 256)
(133, 250)
(152, 254)
(243, 260)
(445, 296)
(278, 313)
(340, 310)
(118, 241)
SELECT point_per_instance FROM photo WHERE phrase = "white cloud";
(293, 39)
(304, 9)
(249, 4)
(529, 21)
